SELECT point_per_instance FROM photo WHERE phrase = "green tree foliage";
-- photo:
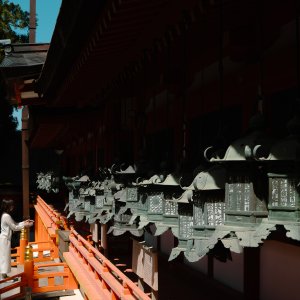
(12, 19)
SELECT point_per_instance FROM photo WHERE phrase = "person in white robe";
(8, 225)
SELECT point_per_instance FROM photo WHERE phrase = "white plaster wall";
(231, 273)
(200, 265)
(280, 271)
(167, 242)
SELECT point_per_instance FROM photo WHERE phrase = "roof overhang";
(20, 68)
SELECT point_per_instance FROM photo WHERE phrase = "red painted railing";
(97, 276)
(47, 221)
(59, 277)
(9, 286)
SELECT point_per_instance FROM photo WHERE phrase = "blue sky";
(47, 11)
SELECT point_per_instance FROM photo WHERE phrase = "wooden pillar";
(23, 244)
(25, 163)
(251, 272)
(32, 21)
(104, 238)
(25, 116)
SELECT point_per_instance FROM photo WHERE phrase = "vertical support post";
(32, 21)
(25, 163)
(25, 117)
(141, 284)
(36, 226)
(104, 239)
(23, 244)
(28, 293)
(154, 295)
(94, 231)
(72, 283)
(28, 265)
(251, 272)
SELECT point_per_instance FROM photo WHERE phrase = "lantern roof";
(212, 179)
(170, 180)
(250, 147)
(128, 170)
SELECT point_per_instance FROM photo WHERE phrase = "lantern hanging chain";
(168, 79)
(260, 87)
(184, 120)
(145, 88)
(201, 103)
(221, 69)
(155, 117)
(297, 54)
(154, 111)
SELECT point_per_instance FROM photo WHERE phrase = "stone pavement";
(14, 291)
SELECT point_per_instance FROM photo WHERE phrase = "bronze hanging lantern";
(283, 175)
(245, 190)
(201, 210)
(125, 199)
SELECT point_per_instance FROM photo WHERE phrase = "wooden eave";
(56, 128)
(120, 33)
(20, 69)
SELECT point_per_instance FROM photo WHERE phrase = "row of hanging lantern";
(92, 200)
(248, 190)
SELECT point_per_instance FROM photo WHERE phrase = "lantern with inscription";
(245, 189)
(156, 203)
(201, 209)
(110, 187)
(138, 199)
(245, 193)
(185, 225)
(284, 177)
(124, 200)
(77, 192)
(168, 206)
(101, 206)
(122, 220)
(73, 187)
(97, 203)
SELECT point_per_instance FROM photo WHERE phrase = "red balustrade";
(97, 276)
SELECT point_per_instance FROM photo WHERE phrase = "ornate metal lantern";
(122, 220)
(103, 202)
(284, 178)
(76, 203)
(245, 197)
(156, 203)
(124, 200)
(245, 189)
(201, 209)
